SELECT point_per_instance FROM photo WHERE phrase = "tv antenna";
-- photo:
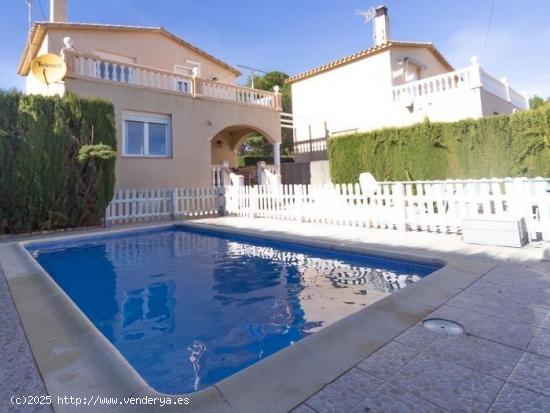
(368, 15)
(29, 6)
(253, 71)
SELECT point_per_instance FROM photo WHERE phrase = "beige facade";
(197, 125)
(153, 47)
(164, 90)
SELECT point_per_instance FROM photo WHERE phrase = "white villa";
(393, 83)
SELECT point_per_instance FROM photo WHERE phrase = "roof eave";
(40, 28)
(36, 36)
(365, 54)
(338, 63)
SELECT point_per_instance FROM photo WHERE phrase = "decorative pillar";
(278, 98)
(277, 157)
(475, 72)
(194, 75)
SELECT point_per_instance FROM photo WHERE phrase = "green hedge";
(43, 184)
(497, 146)
(248, 160)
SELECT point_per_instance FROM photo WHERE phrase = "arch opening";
(231, 142)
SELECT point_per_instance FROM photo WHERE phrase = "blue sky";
(296, 35)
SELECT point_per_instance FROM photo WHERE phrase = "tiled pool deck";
(501, 364)
(18, 372)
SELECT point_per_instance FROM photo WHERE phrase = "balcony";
(86, 66)
(469, 78)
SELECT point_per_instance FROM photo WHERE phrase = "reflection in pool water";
(188, 308)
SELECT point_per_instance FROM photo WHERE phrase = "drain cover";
(443, 327)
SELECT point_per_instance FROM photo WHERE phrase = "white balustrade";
(239, 94)
(308, 146)
(468, 78)
(434, 84)
(133, 74)
(216, 178)
(90, 66)
(518, 100)
(493, 85)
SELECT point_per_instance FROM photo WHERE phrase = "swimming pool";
(189, 307)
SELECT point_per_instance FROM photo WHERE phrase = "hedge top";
(496, 146)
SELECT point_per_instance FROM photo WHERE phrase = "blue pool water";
(188, 307)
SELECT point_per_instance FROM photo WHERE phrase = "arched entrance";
(227, 142)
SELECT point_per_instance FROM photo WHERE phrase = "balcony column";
(475, 73)
(278, 98)
(277, 158)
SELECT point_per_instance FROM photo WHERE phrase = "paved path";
(501, 364)
(18, 372)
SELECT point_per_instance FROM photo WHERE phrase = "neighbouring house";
(393, 83)
(179, 111)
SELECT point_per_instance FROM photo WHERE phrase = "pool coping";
(74, 358)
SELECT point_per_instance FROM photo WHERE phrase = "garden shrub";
(496, 146)
(43, 183)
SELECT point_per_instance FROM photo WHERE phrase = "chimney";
(381, 26)
(58, 11)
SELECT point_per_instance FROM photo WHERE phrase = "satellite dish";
(49, 68)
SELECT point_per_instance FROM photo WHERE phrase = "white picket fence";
(137, 205)
(437, 206)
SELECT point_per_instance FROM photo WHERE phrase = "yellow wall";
(195, 121)
(149, 49)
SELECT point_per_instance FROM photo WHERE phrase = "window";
(146, 135)
(412, 69)
(183, 86)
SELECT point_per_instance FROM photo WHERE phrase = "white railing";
(133, 74)
(493, 85)
(95, 67)
(239, 94)
(438, 206)
(136, 205)
(468, 78)
(518, 99)
(216, 178)
(434, 84)
(313, 145)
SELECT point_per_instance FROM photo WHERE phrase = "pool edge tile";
(235, 395)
